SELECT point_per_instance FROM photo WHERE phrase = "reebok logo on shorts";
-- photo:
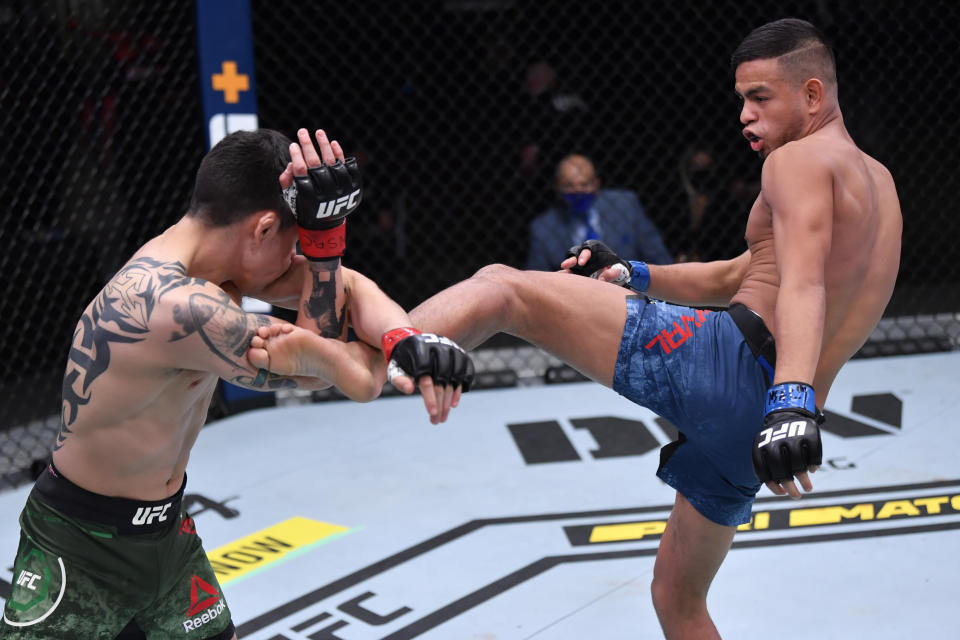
(204, 598)
(188, 527)
(202, 595)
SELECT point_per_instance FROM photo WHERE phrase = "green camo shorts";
(78, 578)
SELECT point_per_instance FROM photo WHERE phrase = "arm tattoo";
(221, 324)
(119, 314)
(227, 331)
(322, 303)
(266, 380)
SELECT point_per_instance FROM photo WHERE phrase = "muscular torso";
(130, 415)
(861, 267)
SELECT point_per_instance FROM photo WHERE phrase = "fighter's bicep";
(205, 330)
(799, 191)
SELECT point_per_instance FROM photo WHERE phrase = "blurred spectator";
(553, 119)
(717, 209)
(585, 211)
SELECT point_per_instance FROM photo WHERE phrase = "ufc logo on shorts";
(333, 207)
(785, 430)
(146, 515)
(27, 579)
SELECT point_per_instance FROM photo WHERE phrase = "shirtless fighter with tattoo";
(105, 549)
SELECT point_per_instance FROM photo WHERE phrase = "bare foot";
(278, 349)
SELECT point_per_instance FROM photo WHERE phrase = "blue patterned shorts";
(695, 369)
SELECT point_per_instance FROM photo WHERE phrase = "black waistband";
(757, 335)
(128, 516)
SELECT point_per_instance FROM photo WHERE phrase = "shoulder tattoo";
(120, 314)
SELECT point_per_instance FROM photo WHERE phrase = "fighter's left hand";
(303, 155)
(596, 260)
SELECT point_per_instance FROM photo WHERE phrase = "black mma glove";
(321, 200)
(790, 439)
(412, 353)
(634, 274)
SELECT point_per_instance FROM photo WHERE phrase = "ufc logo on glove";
(787, 429)
(333, 207)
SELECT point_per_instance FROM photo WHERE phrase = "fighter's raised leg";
(575, 319)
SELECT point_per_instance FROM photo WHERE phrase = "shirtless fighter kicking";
(743, 386)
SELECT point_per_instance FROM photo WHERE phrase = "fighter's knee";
(670, 601)
(659, 595)
(502, 282)
(499, 273)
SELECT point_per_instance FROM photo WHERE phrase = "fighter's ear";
(265, 223)
(814, 93)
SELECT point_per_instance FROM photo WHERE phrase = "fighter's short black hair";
(800, 48)
(239, 177)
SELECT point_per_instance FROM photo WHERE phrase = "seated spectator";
(585, 211)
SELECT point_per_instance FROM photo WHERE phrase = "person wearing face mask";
(584, 211)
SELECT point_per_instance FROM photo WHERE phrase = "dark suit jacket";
(625, 228)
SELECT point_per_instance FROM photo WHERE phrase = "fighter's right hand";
(325, 190)
(596, 260)
(441, 369)
(789, 443)
(412, 353)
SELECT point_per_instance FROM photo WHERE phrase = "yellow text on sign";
(627, 531)
(934, 505)
(269, 545)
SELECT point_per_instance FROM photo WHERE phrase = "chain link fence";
(102, 130)
(458, 111)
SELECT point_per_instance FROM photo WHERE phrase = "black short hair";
(801, 49)
(238, 177)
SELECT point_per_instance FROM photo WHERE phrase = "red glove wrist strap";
(322, 244)
(390, 339)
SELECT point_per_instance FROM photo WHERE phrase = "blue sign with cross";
(225, 51)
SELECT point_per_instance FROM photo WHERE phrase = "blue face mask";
(580, 202)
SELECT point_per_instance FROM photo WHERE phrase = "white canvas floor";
(360, 522)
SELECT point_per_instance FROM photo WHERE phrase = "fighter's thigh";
(194, 605)
(691, 551)
(576, 319)
(54, 597)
